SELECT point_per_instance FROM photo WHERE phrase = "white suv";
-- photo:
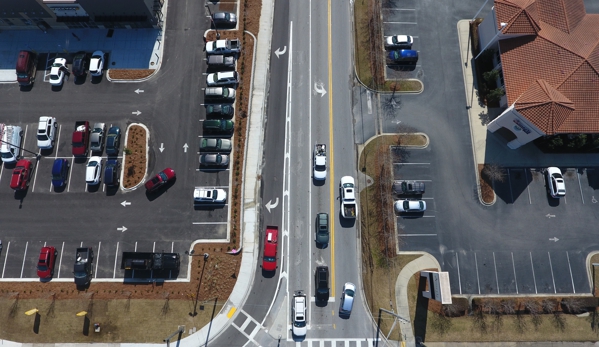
(299, 315)
(46, 130)
(222, 78)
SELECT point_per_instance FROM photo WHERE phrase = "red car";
(20, 175)
(45, 265)
(269, 260)
(162, 178)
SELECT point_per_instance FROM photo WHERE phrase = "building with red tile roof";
(549, 57)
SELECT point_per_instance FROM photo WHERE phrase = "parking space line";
(514, 267)
(209, 223)
(528, 186)
(70, 172)
(173, 247)
(398, 9)
(115, 257)
(552, 277)
(24, 257)
(154, 247)
(510, 184)
(5, 258)
(496, 279)
(1, 171)
(533, 273)
(411, 164)
(477, 278)
(570, 268)
(418, 235)
(97, 259)
(580, 186)
(37, 166)
(136, 247)
(60, 261)
(457, 259)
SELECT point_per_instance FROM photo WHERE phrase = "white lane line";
(60, 261)
(37, 165)
(496, 279)
(97, 259)
(209, 223)
(172, 246)
(136, 247)
(24, 257)
(477, 278)
(1, 171)
(81, 245)
(515, 278)
(397, 9)
(418, 235)
(5, 257)
(412, 23)
(457, 259)
(553, 278)
(56, 142)
(115, 257)
(154, 247)
(580, 186)
(570, 268)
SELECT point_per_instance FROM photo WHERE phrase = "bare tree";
(549, 306)
(508, 306)
(494, 172)
(573, 305)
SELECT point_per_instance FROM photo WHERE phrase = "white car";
(209, 196)
(222, 78)
(96, 64)
(57, 71)
(320, 167)
(93, 170)
(555, 182)
(399, 41)
(410, 206)
(299, 315)
(46, 130)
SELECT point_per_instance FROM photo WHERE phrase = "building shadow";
(421, 315)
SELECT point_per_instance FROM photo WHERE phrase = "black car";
(322, 283)
(220, 111)
(224, 19)
(218, 126)
(113, 141)
(111, 173)
(79, 64)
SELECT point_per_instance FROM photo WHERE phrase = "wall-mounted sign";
(520, 126)
(61, 10)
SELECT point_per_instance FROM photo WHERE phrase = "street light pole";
(213, 24)
(378, 324)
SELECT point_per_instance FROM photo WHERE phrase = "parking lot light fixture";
(212, 20)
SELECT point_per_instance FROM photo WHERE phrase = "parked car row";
(408, 190)
(400, 50)
(27, 61)
(82, 269)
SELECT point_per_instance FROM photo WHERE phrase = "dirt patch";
(486, 190)
(131, 74)
(135, 153)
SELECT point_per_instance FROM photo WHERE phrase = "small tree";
(495, 95)
(491, 77)
(494, 172)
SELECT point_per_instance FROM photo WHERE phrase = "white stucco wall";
(518, 125)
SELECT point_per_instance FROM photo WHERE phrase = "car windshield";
(299, 323)
(42, 137)
(270, 259)
(163, 176)
(92, 163)
(53, 77)
(80, 274)
(7, 155)
(56, 65)
(42, 267)
(349, 293)
(109, 141)
(56, 177)
(406, 205)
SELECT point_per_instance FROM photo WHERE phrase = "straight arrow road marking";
(139, 91)
(122, 229)
(137, 113)
(185, 147)
(125, 203)
(161, 147)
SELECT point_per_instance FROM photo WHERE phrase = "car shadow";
(211, 169)
(21, 194)
(402, 67)
(111, 190)
(46, 280)
(553, 202)
(151, 196)
(59, 189)
(410, 215)
(346, 222)
(297, 338)
(93, 188)
(46, 152)
(207, 207)
(26, 88)
(321, 245)
(80, 159)
(320, 303)
(268, 274)
(82, 288)
(96, 79)
(79, 80)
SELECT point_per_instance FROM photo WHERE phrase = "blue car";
(60, 172)
(111, 173)
(113, 141)
(404, 56)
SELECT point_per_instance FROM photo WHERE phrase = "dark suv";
(79, 64)
(218, 126)
(112, 173)
(322, 283)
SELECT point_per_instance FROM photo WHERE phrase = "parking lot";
(527, 242)
(402, 19)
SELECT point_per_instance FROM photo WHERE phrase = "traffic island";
(135, 155)
(120, 75)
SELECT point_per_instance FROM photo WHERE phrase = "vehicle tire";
(21, 133)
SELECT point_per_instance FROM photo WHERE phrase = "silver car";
(96, 139)
(347, 299)
(214, 159)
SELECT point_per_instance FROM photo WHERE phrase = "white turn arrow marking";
(125, 203)
(319, 89)
(122, 229)
(185, 147)
(137, 113)
(161, 147)
(549, 215)
(555, 239)
(279, 52)
(269, 205)
(139, 91)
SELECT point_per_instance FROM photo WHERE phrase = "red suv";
(269, 261)
(20, 175)
(45, 265)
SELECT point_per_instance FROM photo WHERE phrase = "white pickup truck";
(320, 162)
(226, 46)
(348, 197)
